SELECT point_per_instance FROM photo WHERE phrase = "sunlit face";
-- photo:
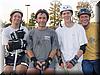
(84, 19)
(16, 18)
(41, 19)
(66, 15)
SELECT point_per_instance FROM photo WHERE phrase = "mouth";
(67, 18)
(85, 21)
(42, 24)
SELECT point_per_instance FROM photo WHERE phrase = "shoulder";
(31, 32)
(50, 30)
(23, 27)
(79, 27)
(94, 25)
(59, 29)
(7, 29)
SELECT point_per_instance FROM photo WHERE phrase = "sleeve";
(54, 41)
(29, 40)
(82, 36)
(5, 37)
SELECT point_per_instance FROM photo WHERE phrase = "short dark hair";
(42, 11)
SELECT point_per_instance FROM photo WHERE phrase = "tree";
(23, 23)
(32, 20)
(54, 12)
(4, 24)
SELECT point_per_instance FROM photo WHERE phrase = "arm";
(49, 59)
(70, 64)
(82, 42)
(54, 44)
(30, 53)
(29, 50)
(53, 52)
(33, 59)
(81, 51)
(59, 57)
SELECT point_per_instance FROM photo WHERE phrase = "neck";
(86, 27)
(15, 26)
(41, 27)
(69, 24)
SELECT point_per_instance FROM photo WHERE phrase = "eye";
(64, 13)
(17, 16)
(68, 12)
(39, 17)
(82, 17)
(44, 18)
(86, 16)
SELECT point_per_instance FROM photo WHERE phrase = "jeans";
(91, 67)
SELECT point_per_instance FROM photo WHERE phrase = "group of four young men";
(42, 45)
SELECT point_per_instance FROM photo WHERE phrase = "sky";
(7, 7)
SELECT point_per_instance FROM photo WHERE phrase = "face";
(66, 15)
(16, 18)
(84, 19)
(41, 19)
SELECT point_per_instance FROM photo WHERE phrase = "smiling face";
(41, 19)
(16, 18)
(84, 19)
(66, 15)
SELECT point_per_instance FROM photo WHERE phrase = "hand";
(46, 63)
(69, 65)
(38, 65)
(62, 65)
(60, 61)
(72, 62)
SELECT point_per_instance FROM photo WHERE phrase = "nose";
(41, 19)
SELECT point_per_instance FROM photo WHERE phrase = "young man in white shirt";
(13, 41)
(72, 40)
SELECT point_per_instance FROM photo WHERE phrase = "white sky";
(6, 6)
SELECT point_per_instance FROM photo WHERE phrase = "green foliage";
(54, 12)
(32, 20)
(4, 24)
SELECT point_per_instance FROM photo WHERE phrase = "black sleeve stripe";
(83, 47)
